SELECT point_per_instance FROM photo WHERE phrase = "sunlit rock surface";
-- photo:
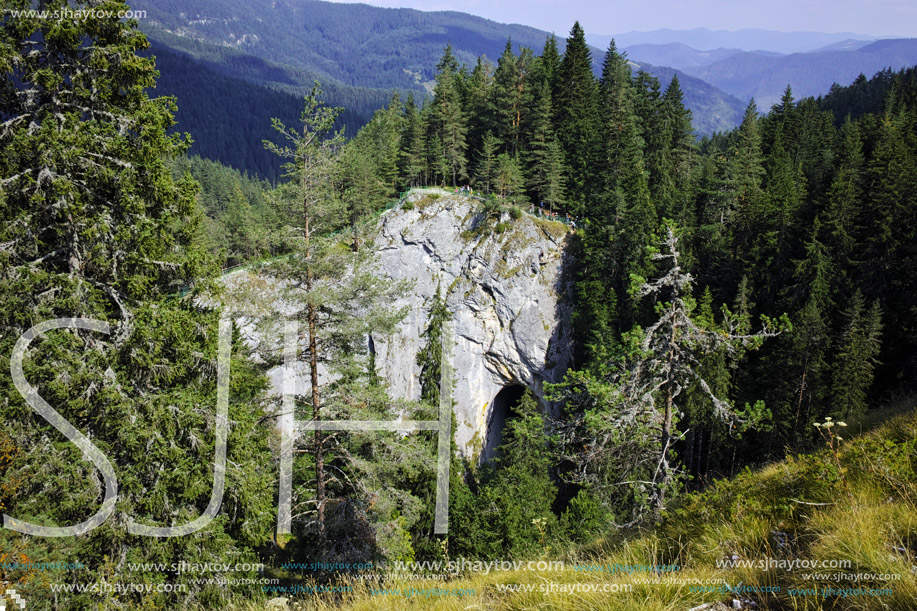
(503, 290)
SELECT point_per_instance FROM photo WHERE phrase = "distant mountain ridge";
(844, 45)
(355, 44)
(677, 55)
(764, 78)
(748, 39)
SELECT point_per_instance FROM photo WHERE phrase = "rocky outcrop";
(503, 286)
(503, 290)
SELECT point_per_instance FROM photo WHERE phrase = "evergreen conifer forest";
(736, 427)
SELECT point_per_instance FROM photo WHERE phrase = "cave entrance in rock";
(502, 408)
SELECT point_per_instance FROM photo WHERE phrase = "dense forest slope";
(731, 300)
(711, 109)
(229, 117)
(359, 53)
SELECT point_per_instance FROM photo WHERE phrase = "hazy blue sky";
(876, 17)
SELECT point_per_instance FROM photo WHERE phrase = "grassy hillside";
(858, 505)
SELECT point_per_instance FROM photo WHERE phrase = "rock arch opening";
(502, 408)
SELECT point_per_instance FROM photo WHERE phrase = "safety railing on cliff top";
(535, 211)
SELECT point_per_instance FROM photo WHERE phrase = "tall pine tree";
(576, 118)
(449, 119)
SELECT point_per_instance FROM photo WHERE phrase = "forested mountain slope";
(229, 117)
(359, 53)
(355, 44)
(712, 110)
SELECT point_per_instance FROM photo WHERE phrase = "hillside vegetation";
(360, 53)
(854, 500)
(725, 297)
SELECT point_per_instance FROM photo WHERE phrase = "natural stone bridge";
(504, 293)
(503, 290)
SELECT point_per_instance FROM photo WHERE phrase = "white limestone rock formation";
(503, 289)
(504, 293)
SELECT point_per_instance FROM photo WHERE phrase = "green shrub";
(584, 519)
(515, 212)
(510, 514)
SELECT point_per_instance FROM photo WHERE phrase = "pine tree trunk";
(317, 416)
(699, 453)
(313, 373)
(706, 456)
(666, 437)
(689, 451)
(802, 390)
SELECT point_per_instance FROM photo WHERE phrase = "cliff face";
(503, 291)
